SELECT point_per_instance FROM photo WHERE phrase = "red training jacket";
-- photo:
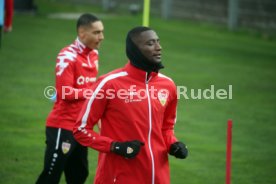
(76, 70)
(131, 106)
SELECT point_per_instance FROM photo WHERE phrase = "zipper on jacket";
(150, 128)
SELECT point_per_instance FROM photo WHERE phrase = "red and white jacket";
(131, 106)
(76, 70)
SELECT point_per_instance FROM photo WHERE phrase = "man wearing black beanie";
(137, 108)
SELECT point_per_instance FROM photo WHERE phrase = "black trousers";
(63, 153)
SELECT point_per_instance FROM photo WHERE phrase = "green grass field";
(195, 55)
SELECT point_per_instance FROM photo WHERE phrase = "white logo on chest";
(81, 80)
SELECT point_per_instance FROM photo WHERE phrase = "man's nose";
(158, 46)
(101, 36)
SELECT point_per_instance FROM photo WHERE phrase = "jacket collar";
(139, 74)
(81, 48)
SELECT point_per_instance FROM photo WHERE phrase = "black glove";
(179, 150)
(126, 149)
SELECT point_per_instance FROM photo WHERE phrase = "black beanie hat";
(135, 56)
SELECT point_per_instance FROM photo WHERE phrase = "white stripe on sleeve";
(99, 87)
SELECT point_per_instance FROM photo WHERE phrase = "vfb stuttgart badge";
(65, 146)
(163, 96)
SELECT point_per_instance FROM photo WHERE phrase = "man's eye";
(150, 44)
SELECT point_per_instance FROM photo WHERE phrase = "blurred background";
(210, 42)
(256, 14)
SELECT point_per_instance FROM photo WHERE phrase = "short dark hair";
(86, 19)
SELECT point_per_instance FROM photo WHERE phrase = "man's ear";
(81, 33)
